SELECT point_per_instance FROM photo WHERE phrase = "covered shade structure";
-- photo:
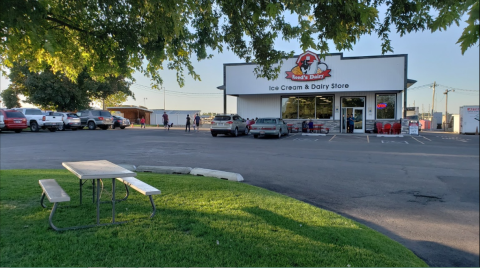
(133, 113)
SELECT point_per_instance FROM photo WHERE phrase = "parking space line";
(426, 138)
(289, 136)
(332, 137)
(417, 140)
(368, 139)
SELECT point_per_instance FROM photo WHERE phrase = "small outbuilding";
(133, 113)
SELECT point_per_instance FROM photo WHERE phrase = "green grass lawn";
(200, 222)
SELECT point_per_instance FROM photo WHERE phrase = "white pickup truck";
(36, 120)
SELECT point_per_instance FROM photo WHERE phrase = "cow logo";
(308, 68)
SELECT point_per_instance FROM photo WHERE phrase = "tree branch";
(65, 24)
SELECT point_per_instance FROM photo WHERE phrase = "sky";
(432, 57)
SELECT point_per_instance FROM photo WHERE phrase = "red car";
(13, 120)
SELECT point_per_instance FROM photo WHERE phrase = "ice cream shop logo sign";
(308, 68)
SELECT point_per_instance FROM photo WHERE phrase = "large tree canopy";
(54, 91)
(116, 37)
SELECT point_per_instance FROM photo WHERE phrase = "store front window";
(308, 107)
(324, 107)
(385, 106)
(290, 108)
(353, 102)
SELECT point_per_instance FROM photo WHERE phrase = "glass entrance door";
(346, 112)
(359, 120)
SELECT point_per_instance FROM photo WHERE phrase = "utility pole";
(433, 97)
(164, 109)
(433, 105)
(446, 107)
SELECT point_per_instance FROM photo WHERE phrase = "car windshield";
(72, 115)
(14, 115)
(222, 117)
(266, 121)
(105, 113)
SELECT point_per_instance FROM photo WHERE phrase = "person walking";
(197, 122)
(188, 123)
(165, 121)
(142, 122)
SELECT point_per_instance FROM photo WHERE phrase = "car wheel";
(91, 125)
(52, 129)
(255, 136)
(18, 130)
(279, 134)
(34, 127)
(235, 133)
(113, 126)
(214, 134)
(61, 127)
(122, 127)
(246, 131)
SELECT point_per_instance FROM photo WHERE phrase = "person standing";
(188, 123)
(351, 123)
(142, 122)
(197, 121)
(310, 126)
(165, 121)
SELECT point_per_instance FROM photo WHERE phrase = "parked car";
(12, 120)
(269, 126)
(95, 118)
(120, 122)
(70, 121)
(36, 120)
(2, 123)
(228, 124)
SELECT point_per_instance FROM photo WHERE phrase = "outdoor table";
(95, 171)
(317, 128)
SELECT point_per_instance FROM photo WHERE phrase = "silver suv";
(95, 118)
(232, 124)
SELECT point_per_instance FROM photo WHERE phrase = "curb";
(129, 167)
(164, 169)
(217, 174)
(390, 136)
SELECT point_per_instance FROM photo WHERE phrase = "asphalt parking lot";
(422, 191)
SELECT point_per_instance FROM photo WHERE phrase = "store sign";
(381, 106)
(308, 68)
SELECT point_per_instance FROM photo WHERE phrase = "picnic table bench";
(55, 195)
(142, 188)
(95, 171)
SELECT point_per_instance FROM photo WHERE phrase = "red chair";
(379, 127)
(386, 129)
(396, 128)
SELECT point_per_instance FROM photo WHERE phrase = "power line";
(458, 88)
